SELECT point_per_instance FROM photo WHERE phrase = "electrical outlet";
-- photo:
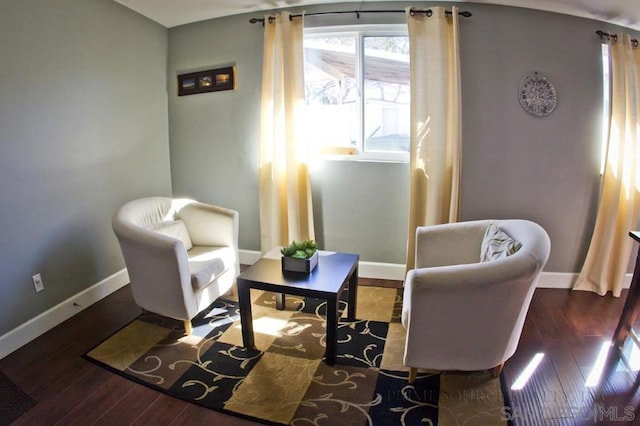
(37, 283)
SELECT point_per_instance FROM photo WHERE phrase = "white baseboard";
(382, 271)
(248, 257)
(556, 280)
(385, 271)
(393, 271)
(44, 322)
(567, 279)
(396, 271)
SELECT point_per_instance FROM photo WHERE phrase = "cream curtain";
(609, 252)
(285, 194)
(435, 152)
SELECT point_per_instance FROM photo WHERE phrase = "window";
(357, 92)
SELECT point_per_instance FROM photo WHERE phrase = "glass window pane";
(386, 93)
(331, 91)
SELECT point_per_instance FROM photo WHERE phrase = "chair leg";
(413, 374)
(495, 371)
(188, 329)
(234, 291)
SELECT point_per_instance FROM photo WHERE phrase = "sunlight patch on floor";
(596, 371)
(526, 374)
(270, 326)
(633, 358)
(276, 327)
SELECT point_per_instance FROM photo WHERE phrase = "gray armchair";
(180, 254)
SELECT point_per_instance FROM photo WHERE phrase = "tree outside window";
(357, 93)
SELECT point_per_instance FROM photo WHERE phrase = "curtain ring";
(271, 19)
(634, 42)
(357, 14)
(414, 12)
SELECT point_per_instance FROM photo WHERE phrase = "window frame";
(360, 32)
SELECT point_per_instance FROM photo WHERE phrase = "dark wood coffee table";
(335, 273)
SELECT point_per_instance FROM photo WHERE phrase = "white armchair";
(463, 314)
(180, 254)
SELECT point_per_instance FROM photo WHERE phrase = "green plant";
(300, 250)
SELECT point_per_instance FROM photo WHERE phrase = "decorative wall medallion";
(537, 95)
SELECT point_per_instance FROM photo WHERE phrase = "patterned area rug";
(285, 381)
(13, 401)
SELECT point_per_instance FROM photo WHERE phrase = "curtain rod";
(412, 12)
(602, 34)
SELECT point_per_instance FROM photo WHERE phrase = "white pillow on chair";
(497, 245)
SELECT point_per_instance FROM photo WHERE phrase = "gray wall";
(514, 164)
(517, 165)
(83, 127)
(214, 148)
(358, 207)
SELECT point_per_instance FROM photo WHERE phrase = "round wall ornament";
(537, 95)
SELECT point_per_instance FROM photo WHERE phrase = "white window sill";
(387, 157)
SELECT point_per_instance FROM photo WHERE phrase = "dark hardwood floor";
(568, 327)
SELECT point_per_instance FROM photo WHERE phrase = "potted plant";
(300, 256)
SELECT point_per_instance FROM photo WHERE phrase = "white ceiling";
(171, 13)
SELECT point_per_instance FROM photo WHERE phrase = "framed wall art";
(207, 81)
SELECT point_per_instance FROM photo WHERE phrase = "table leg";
(246, 319)
(631, 308)
(280, 301)
(332, 331)
(353, 296)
